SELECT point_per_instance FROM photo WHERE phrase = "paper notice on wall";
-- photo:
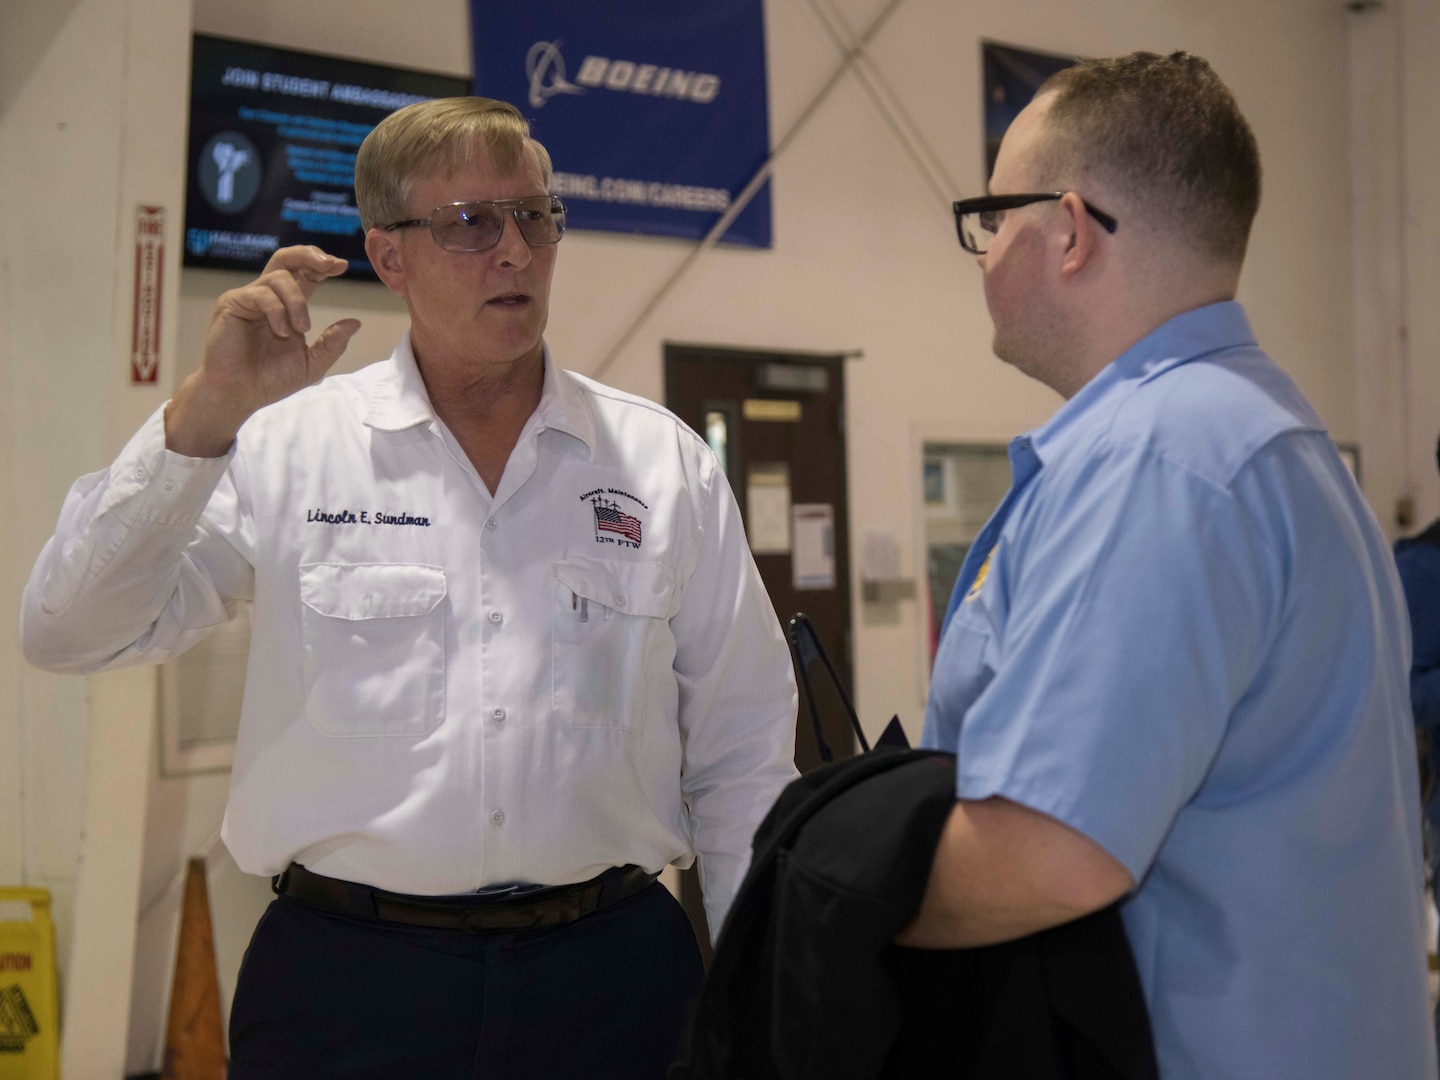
(767, 504)
(814, 557)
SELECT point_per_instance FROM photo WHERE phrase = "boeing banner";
(654, 112)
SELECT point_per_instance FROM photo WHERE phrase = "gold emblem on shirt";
(980, 576)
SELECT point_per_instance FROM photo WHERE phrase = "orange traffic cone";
(194, 1036)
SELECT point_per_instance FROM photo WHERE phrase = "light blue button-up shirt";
(1182, 635)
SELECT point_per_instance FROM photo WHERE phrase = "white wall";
(865, 258)
(57, 137)
(1416, 26)
(1394, 90)
(76, 157)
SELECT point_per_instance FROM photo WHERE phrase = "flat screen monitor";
(273, 136)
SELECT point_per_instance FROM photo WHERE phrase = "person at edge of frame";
(1418, 561)
(511, 655)
(1175, 666)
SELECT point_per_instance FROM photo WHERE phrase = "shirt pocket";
(373, 642)
(964, 663)
(607, 616)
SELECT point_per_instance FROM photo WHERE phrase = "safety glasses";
(478, 226)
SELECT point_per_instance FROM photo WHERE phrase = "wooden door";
(777, 422)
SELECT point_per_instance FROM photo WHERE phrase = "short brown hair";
(1165, 131)
(429, 137)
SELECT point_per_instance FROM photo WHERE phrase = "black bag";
(806, 983)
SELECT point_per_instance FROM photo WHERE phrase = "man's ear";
(384, 255)
(1083, 235)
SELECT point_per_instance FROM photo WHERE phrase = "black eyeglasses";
(978, 220)
(478, 226)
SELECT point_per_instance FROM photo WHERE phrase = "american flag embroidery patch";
(609, 518)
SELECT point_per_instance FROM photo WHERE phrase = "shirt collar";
(399, 400)
(1188, 336)
(564, 406)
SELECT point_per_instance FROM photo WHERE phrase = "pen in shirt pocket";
(583, 604)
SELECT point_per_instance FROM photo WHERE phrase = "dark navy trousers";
(324, 995)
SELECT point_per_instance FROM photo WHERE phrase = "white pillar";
(95, 1013)
(92, 123)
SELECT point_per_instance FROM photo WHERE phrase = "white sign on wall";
(814, 531)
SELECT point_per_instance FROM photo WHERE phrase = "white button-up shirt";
(449, 689)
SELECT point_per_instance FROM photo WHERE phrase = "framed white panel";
(958, 481)
(200, 694)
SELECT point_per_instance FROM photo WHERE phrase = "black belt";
(474, 912)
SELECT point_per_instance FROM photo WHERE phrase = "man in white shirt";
(511, 655)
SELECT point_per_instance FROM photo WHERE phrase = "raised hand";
(256, 352)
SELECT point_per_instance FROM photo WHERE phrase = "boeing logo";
(546, 69)
(544, 60)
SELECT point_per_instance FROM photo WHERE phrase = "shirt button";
(139, 472)
(169, 486)
(498, 714)
(492, 524)
(619, 600)
(497, 818)
(496, 618)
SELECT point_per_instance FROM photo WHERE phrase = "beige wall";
(864, 259)
(1395, 150)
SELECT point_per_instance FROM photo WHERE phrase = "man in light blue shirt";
(1175, 665)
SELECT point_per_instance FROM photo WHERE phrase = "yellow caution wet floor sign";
(29, 1007)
